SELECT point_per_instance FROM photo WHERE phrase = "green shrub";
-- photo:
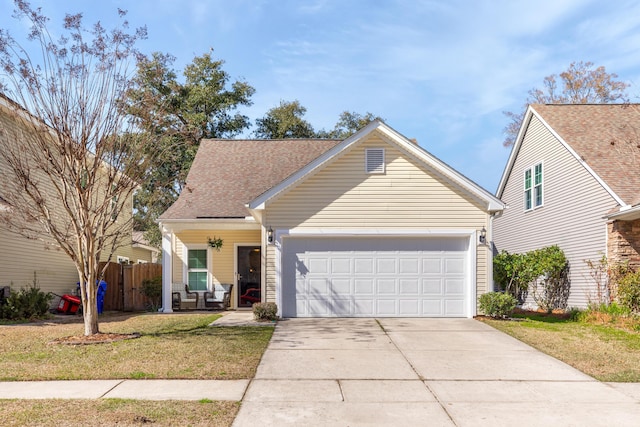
(629, 291)
(545, 270)
(497, 304)
(27, 304)
(265, 311)
(152, 289)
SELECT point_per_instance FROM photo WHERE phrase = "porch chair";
(210, 300)
(184, 298)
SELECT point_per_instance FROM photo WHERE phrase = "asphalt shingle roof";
(227, 174)
(606, 137)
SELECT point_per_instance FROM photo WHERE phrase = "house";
(369, 226)
(142, 251)
(21, 258)
(573, 180)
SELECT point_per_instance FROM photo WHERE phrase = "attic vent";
(374, 160)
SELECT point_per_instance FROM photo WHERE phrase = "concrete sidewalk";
(126, 389)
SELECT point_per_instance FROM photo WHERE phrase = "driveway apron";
(413, 372)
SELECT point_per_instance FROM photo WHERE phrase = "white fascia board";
(345, 232)
(260, 201)
(626, 213)
(493, 204)
(174, 225)
(514, 153)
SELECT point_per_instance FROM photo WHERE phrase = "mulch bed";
(98, 338)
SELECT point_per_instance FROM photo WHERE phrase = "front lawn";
(111, 412)
(171, 346)
(603, 351)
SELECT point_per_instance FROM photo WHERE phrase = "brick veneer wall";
(623, 243)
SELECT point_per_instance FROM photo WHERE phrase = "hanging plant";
(215, 243)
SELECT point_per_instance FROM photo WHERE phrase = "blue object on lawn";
(102, 290)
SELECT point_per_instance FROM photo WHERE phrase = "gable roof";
(430, 162)
(604, 138)
(228, 174)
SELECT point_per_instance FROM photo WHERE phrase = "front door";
(248, 275)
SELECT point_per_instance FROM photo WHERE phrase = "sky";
(442, 72)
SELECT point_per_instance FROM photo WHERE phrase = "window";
(197, 269)
(374, 160)
(533, 187)
(123, 260)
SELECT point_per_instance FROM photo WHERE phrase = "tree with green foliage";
(177, 115)
(581, 83)
(348, 124)
(283, 122)
(287, 121)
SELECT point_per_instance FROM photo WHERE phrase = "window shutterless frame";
(533, 187)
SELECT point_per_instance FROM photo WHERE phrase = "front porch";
(191, 257)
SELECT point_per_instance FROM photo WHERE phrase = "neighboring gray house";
(573, 179)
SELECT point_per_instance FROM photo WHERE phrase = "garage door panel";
(386, 286)
(363, 265)
(317, 287)
(386, 307)
(454, 286)
(364, 286)
(409, 286)
(343, 307)
(386, 266)
(364, 307)
(432, 307)
(317, 265)
(410, 307)
(432, 265)
(318, 307)
(365, 277)
(432, 287)
(454, 265)
(341, 287)
(341, 266)
(454, 308)
(409, 265)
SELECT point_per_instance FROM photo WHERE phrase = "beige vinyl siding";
(222, 263)
(21, 257)
(140, 254)
(571, 216)
(343, 196)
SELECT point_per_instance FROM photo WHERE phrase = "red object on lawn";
(69, 304)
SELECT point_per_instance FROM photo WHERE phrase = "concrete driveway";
(431, 372)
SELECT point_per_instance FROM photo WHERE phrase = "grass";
(171, 346)
(601, 349)
(115, 412)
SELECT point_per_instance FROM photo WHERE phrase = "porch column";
(167, 270)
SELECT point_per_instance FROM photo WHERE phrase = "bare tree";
(579, 84)
(73, 160)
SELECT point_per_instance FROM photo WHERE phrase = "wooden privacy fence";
(124, 285)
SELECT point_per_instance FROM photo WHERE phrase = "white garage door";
(381, 276)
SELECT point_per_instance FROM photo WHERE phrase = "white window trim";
(185, 265)
(122, 259)
(532, 170)
(378, 171)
